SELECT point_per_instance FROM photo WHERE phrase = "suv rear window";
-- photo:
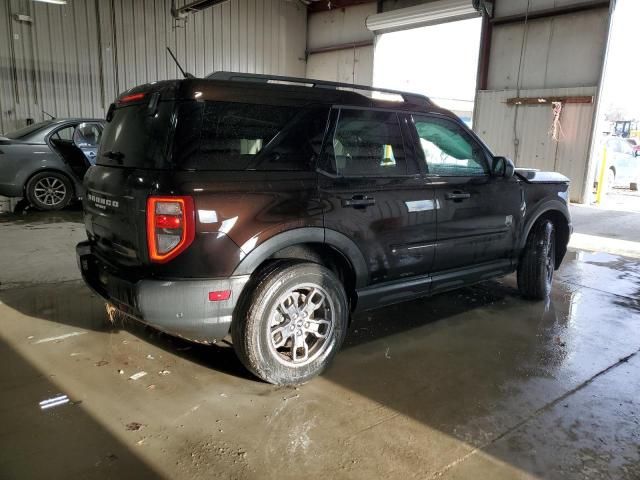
(136, 138)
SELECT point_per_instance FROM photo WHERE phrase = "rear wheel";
(288, 329)
(535, 271)
(49, 191)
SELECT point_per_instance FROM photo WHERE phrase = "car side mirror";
(503, 167)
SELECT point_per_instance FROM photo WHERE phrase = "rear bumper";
(10, 190)
(178, 307)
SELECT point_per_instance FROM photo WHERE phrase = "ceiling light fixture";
(56, 2)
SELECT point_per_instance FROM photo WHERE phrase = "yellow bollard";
(601, 176)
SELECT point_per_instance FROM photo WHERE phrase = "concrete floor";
(473, 384)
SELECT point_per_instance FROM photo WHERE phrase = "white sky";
(445, 72)
(622, 74)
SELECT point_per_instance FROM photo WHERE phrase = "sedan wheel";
(49, 191)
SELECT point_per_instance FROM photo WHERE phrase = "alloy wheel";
(301, 324)
(50, 191)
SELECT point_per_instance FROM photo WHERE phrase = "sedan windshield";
(26, 131)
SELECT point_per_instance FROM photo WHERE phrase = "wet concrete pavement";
(472, 384)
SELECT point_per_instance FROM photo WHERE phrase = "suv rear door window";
(234, 133)
(448, 149)
(367, 143)
(298, 145)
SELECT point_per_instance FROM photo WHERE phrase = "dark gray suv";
(45, 162)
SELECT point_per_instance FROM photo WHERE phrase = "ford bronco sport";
(272, 208)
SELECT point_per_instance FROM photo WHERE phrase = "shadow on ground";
(65, 438)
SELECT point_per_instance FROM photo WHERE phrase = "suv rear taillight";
(170, 226)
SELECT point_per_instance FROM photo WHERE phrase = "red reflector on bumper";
(219, 295)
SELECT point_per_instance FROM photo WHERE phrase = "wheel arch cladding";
(309, 243)
(562, 230)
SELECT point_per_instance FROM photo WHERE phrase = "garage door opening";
(439, 61)
(617, 128)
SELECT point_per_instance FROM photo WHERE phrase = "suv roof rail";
(414, 98)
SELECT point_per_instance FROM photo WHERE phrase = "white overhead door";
(430, 13)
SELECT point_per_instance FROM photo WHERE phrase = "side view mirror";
(503, 167)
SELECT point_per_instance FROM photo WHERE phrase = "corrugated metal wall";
(558, 55)
(536, 148)
(73, 59)
(341, 27)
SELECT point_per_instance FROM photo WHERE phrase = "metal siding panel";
(266, 37)
(350, 66)
(563, 51)
(22, 93)
(340, 26)
(208, 41)
(218, 36)
(274, 66)
(242, 35)
(83, 55)
(107, 46)
(199, 44)
(226, 36)
(570, 156)
(74, 59)
(234, 35)
(259, 45)
(518, 7)
(43, 46)
(6, 76)
(251, 36)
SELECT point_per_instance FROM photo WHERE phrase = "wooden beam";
(548, 100)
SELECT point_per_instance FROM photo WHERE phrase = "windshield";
(26, 131)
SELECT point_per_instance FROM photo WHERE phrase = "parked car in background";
(46, 162)
(623, 168)
(273, 211)
(635, 145)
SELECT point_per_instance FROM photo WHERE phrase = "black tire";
(49, 191)
(537, 264)
(255, 336)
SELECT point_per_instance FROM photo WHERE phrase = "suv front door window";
(448, 152)
(477, 213)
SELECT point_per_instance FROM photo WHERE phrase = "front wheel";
(536, 267)
(289, 328)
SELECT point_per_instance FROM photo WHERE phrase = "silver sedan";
(45, 162)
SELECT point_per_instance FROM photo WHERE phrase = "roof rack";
(414, 98)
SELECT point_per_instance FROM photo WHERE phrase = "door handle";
(457, 195)
(359, 201)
